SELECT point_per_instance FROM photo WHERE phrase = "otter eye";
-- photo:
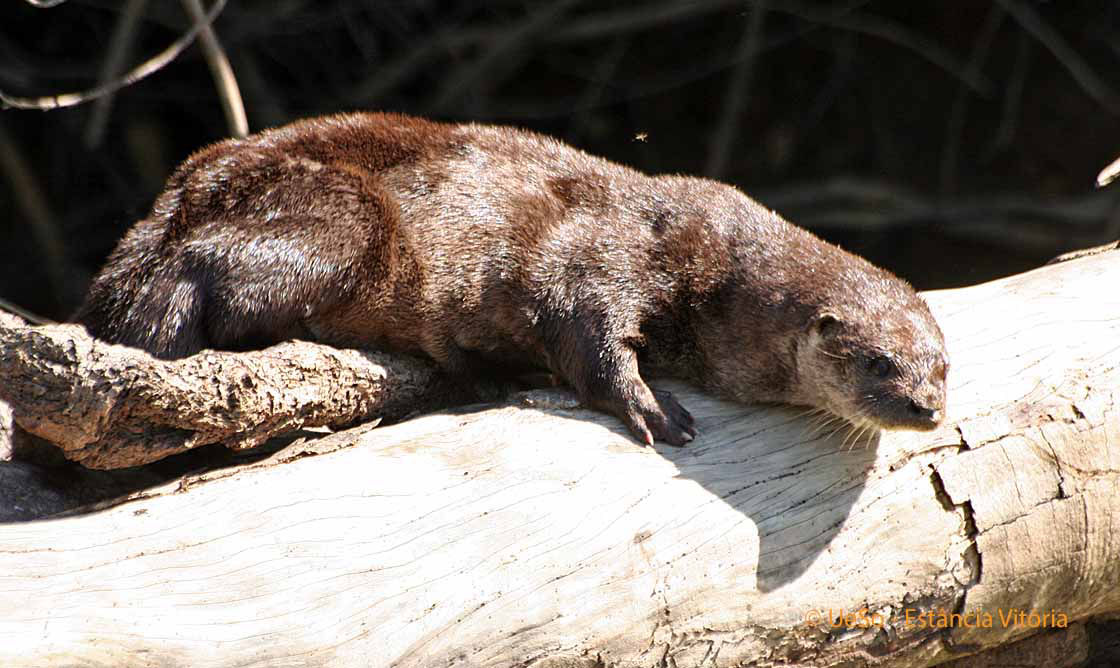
(880, 367)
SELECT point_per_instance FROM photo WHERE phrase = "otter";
(494, 250)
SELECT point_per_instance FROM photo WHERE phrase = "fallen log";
(111, 406)
(534, 533)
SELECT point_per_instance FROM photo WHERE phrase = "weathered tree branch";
(111, 406)
(541, 535)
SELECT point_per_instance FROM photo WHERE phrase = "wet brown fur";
(493, 248)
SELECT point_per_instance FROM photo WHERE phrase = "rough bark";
(538, 534)
(111, 406)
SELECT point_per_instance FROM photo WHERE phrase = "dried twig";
(604, 24)
(1092, 84)
(220, 69)
(593, 93)
(141, 71)
(1031, 223)
(953, 129)
(614, 22)
(1012, 99)
(30, 317)
(124, 35)
(27, 315)
(723, 140)
(268, 107)
(889, 31)
(1109, 174)
(502, 49)
(32, 202)
(1086, 252)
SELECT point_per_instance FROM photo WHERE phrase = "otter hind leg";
(246, 267)
(261, 285)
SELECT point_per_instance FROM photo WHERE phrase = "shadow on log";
(533, 533)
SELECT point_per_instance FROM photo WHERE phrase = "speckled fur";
(490, 248)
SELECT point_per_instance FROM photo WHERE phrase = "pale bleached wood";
(1040, 420)
(534, 536)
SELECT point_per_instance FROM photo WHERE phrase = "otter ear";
(826, 323)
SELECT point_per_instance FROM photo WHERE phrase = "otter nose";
(921, 412)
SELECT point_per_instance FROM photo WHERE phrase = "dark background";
(951, 142)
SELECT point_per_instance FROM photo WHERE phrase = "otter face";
(887, 371)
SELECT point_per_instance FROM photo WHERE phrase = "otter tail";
(146, 299)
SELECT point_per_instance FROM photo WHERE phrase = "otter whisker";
(831, 433)
(855, 424)
(810, 411)
(863, 430)
(826, 421)
(869, 432)
(815, 431)
(821, 420)
(822, 416)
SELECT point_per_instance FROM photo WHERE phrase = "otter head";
(884, 366)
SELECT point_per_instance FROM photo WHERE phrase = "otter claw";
(666, 421)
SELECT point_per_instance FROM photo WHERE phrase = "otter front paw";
(660, 417)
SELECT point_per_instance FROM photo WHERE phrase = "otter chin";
(493, 250)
